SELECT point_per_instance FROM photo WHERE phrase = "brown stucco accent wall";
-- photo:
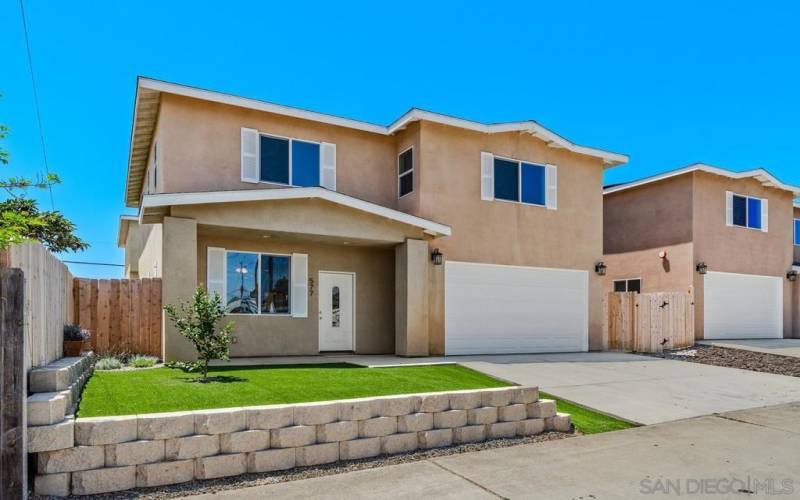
(262, 335)
(500, 232)
(200, 142)
(741, 250)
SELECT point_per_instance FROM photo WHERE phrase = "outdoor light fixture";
(791, 275)
(600, 268)
(436, 257)
(702, 268)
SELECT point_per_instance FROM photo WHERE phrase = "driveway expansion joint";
(484, 488)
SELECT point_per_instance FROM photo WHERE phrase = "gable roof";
(145, 114)
(760, 174)
(152, 204)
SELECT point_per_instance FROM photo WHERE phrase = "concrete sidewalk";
(709, 452)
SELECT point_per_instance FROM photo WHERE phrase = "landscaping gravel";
(249, 480)
(737, 358)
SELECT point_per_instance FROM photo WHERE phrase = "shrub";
(197, 321)
(74, 333)
(142, 361)
(108, 363)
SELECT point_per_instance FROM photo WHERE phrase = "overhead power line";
(36, 100)
(92, 263)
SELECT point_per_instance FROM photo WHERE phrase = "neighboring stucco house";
(726, 237)
(433, 235)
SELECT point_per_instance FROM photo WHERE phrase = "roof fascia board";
(167, 199)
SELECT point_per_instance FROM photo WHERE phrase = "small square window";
(631, 285)
(620, 286)
(405, 172)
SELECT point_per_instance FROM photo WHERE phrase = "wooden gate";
(648, 322)
(12, 385)
(123, 315)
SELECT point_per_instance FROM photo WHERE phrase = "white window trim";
(519, 181)
(403, 174)
(794, 231)
(258, 283)
(627, 280)
(291, 162)
(747, 212)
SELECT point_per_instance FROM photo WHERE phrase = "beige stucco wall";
(262, 335)
(411, 298)
(199, 149)
(500, 232)
(179, 279)
(741, 250)
(673, 274)
(150, 261)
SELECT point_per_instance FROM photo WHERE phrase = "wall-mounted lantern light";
(600, 268)
(791, 275)
(436, 257)
(702, 268)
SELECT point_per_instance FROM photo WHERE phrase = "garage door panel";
(740, 306)
(492, 309)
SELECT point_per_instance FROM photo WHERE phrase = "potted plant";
(75, 338)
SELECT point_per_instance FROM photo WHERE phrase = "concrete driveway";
(640, 389)
(752, 453)
(782, 347)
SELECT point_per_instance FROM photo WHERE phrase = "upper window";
(631, 285)
(797, 232)
(405, 172)
(289, 161)
(257, 283)
(519, 181)
(747, 211)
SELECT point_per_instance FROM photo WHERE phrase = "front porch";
(302, 276)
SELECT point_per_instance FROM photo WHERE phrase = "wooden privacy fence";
(123, 315)
(48, 301)
(649, 322)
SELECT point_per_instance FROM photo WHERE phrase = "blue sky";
(668, 83)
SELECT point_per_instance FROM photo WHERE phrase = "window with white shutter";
(328, 166)
(250, 160)
(215, 272)
(299, 285)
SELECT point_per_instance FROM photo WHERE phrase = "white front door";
(336, 306)
(743, 306)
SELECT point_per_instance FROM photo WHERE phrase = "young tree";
(20, 218)
(197, 321)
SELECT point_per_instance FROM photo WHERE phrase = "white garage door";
(491, 309)
(742, 306)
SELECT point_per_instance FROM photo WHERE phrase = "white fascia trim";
(555, 140)
(122, 230)
(531, 127)
(759, 174)
(168, 199)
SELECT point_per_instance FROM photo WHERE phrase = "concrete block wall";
(117, 453)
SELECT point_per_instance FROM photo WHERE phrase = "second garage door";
(742, 306)
(493, 309)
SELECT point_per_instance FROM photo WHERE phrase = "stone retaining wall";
(119, 453)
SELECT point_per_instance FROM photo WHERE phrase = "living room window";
(257, 283)
(405, 172)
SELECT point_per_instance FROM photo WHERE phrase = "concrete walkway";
(641, 389)
(761, 445)
(782, 347)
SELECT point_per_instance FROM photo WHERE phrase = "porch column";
(178, 281)
(411, 298)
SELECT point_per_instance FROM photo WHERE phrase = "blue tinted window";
(305, 163)
(754, 213)
(242, 282)
(506, 180)
(533, 184)
(274, 160)
(740, 211)
(797, 232)
(274, 284)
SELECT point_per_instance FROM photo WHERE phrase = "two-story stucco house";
(433, 235)
(726, 237)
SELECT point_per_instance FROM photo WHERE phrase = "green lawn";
(163, 389)
(586, 420)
